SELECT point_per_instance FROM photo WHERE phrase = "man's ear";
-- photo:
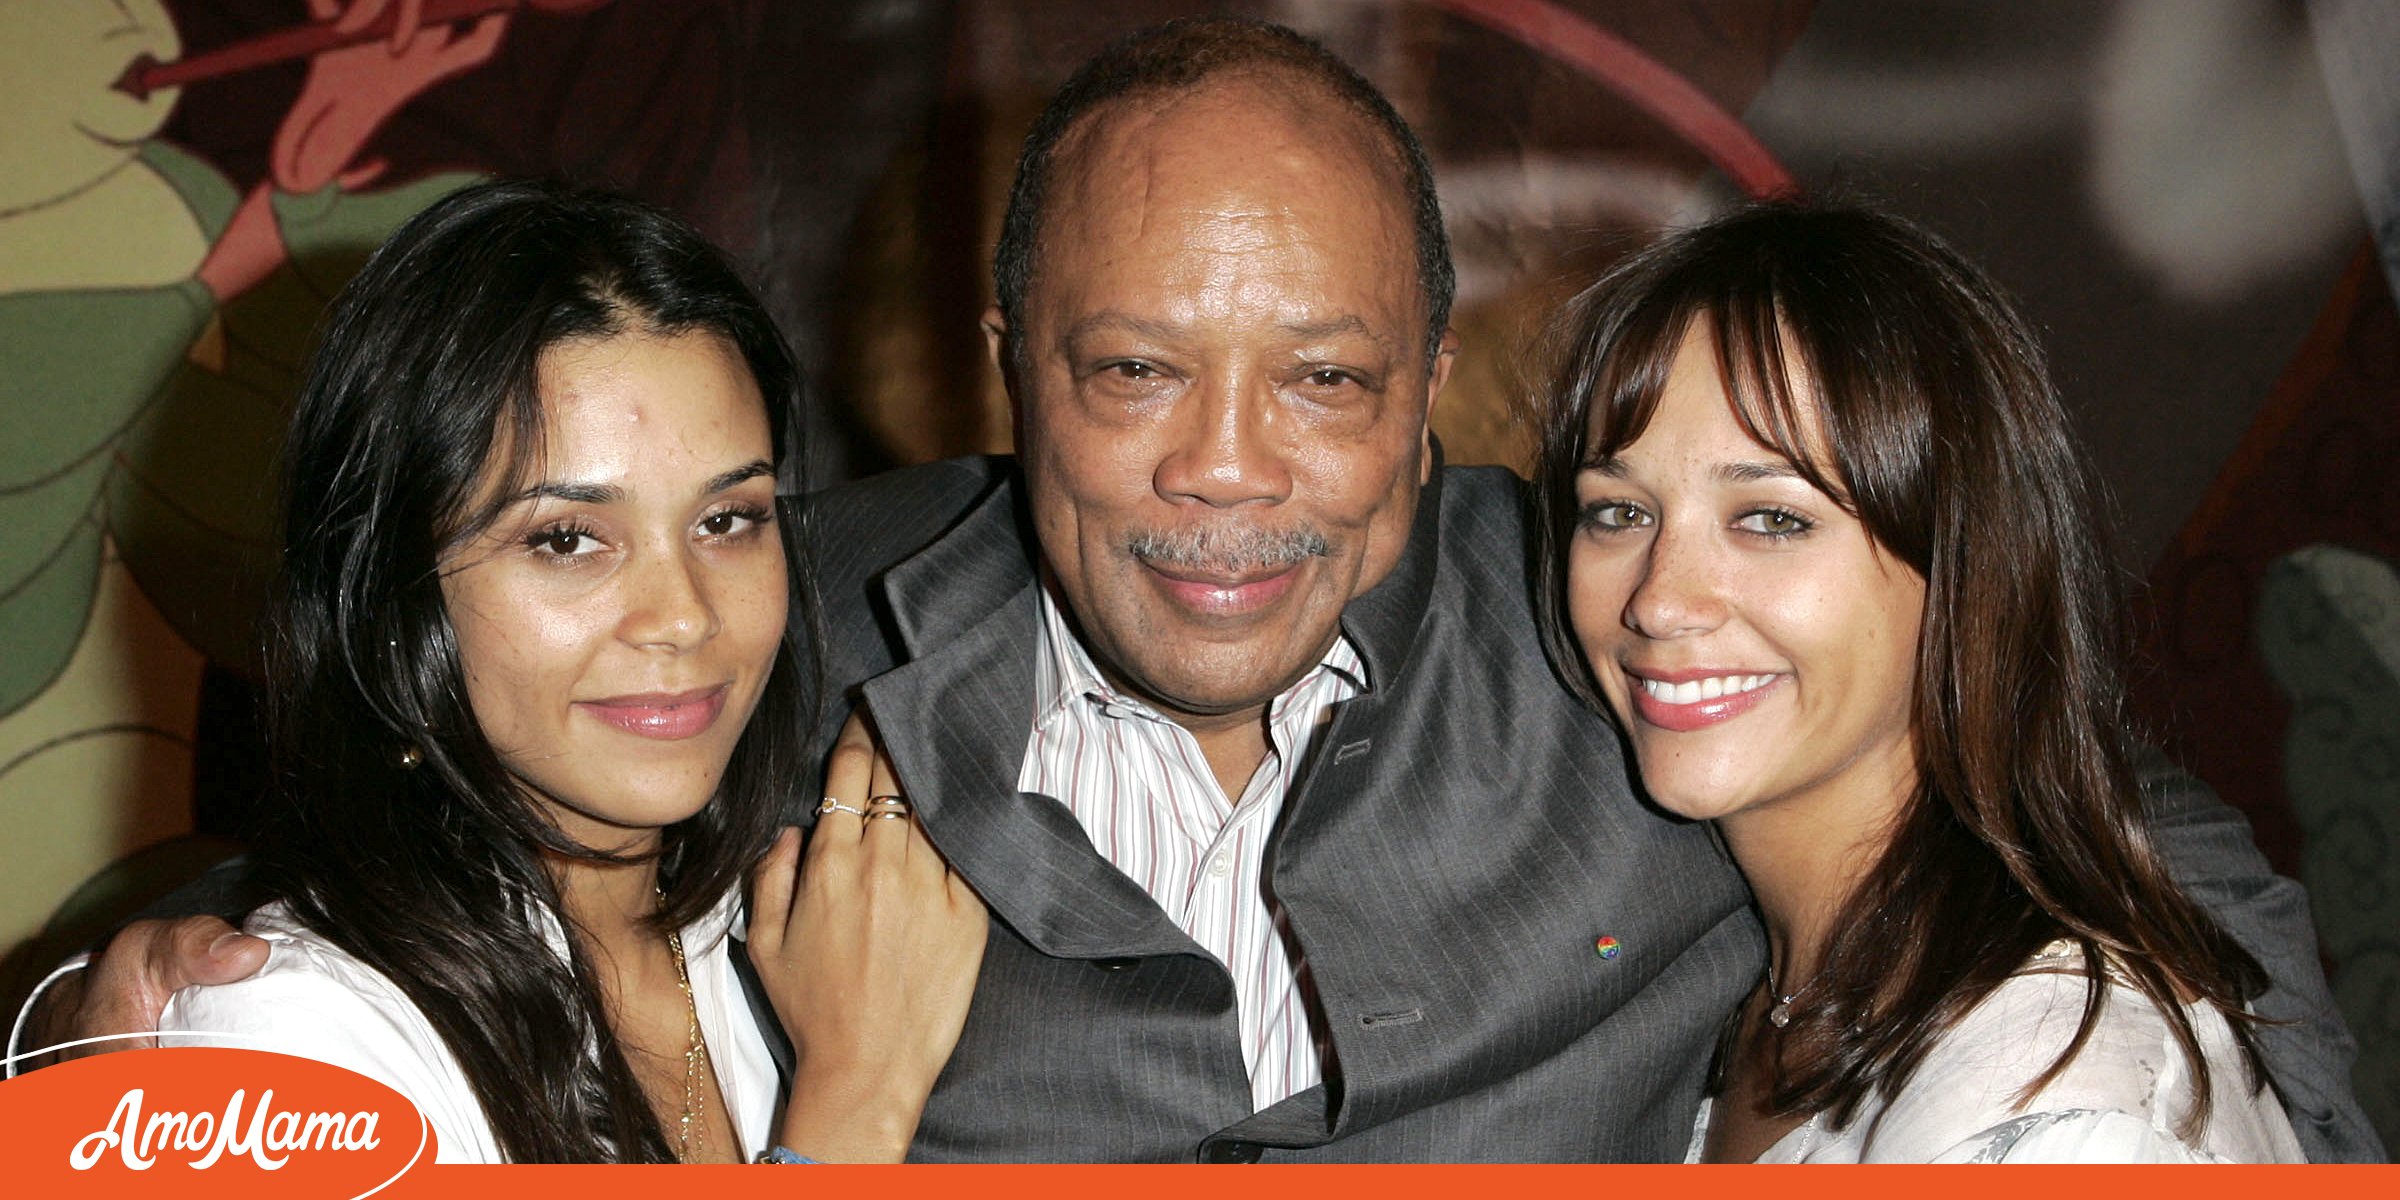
(995, 338)
(1445, 356)
(995, 343)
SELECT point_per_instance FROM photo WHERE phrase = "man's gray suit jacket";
(1449, 858)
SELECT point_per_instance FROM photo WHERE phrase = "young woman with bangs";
(1816, 531)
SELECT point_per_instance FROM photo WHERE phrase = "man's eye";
(1133, 370)
(1614, 514)
(1329, 377)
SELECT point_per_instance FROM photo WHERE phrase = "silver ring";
(888, 814)
(888, 802)
(831, 805)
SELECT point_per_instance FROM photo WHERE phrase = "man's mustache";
(1228, 550)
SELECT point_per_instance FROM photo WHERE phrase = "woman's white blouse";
(2120, 1101)
(315, 1000)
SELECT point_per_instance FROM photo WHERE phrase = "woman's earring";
(409, 755)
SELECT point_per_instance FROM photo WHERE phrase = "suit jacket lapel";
(955, 718)
(1384, 622)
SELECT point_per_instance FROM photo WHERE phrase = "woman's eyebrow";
(609, 493)
(737, 476)
(1755, 471)
(572, 493)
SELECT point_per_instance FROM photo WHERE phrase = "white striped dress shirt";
(1143, 792)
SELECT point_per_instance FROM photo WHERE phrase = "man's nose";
(667, 603)
(1682, 588)
(1226, 447)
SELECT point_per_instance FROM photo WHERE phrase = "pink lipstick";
(1684, 701)
(666, 716)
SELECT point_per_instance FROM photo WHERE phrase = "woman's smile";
(1683, 701)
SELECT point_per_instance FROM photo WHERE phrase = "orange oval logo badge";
(210, 1121)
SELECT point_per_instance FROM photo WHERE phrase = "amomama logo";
(207, 1121)
(269, 1138)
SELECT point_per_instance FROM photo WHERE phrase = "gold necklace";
(694, 1122)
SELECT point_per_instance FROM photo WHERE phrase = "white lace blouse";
(2118, 1102)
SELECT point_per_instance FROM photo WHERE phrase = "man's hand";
(127, 986)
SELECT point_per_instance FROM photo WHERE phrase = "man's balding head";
(1186, 55)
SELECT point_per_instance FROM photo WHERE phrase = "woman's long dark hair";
(423, 384)
(1943, 435)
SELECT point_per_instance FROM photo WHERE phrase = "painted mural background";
(2198, 200)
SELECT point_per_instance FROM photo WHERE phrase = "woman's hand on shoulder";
(868, 945)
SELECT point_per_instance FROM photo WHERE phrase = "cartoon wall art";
(153, 317)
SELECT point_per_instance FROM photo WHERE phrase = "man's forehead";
(1199, 195)
(1247, 117)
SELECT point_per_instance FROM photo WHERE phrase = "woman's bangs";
(1764, 359)
(1631, 375)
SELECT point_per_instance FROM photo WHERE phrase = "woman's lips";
(668, 717)
(1701, 713)
(1223, 597)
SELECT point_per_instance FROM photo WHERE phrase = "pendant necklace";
(693, 1124)
(1779, 1014)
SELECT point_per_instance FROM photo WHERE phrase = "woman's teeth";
(1693, 691)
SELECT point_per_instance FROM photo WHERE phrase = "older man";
(1226, 695)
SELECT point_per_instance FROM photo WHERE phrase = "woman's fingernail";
(223, 945)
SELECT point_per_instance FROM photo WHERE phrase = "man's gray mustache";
(1229, 551)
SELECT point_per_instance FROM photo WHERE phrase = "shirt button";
(1221, 864)
(1231, 1152)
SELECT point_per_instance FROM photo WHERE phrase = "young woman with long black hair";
(1816, 532)
(536, 710)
